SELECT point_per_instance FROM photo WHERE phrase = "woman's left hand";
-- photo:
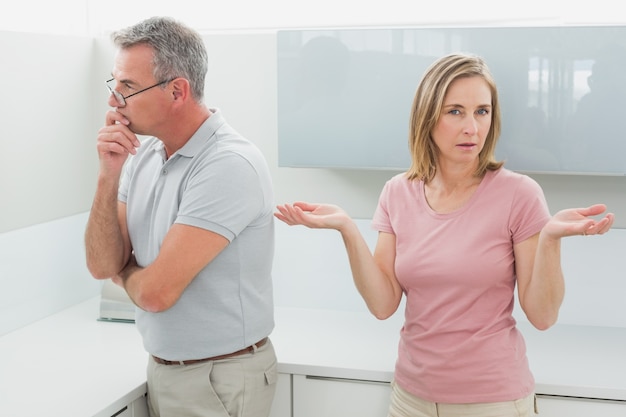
(579, 221)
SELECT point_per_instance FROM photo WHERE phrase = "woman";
(457, 233)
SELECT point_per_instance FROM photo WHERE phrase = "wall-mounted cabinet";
(344, 95)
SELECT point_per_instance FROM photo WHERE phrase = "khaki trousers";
(241, 386)
(404, 404)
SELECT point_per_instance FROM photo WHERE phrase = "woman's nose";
(471, 126)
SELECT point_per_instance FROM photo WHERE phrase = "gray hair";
(179, 51)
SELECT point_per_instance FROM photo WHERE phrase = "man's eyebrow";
(124, 81)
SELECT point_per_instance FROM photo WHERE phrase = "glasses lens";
(118, 96)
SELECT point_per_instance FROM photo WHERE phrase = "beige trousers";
(242, 386)
(404, 404)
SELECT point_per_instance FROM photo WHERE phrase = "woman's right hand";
(315, 216)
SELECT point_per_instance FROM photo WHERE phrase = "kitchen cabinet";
(568, 135)
(556, 406)
(337, 397)
(140, 407)
(281, 407)
(137, 408)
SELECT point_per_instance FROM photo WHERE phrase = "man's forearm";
(104, 241)
(123, 279)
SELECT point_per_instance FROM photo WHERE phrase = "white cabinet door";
(552, 406)
(140, 407)
(281, 407)
(333, 397)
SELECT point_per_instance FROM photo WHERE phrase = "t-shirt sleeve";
(381, 220)
(529, 211)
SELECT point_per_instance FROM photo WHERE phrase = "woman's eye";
(483, 111)
(454, 111)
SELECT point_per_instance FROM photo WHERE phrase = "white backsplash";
(42, 271)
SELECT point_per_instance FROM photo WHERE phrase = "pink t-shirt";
(459, 342)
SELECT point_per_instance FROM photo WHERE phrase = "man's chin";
(135, 130)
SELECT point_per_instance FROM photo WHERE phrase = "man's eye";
(124, 88)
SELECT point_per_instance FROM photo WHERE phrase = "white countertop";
(70, 364)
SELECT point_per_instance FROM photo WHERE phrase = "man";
(185, 226)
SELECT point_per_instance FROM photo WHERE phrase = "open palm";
(317, 216)
(579, 221)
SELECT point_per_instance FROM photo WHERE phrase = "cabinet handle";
(120, 412)
(336, 379)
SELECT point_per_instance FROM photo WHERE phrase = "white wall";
(47, 157)
(47, 172)
(95, 17)
(42, 271)
(67, 17)
(272, 14)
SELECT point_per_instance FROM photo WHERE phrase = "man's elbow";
(101, 268)
(98, 271)
(154, 301)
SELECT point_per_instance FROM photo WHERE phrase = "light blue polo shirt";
(218, 181)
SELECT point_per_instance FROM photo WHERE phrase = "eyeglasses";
(121, 99)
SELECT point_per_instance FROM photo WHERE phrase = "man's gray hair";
(179, 51)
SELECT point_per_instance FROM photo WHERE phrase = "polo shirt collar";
(198, 140)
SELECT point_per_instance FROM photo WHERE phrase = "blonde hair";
(426, 110)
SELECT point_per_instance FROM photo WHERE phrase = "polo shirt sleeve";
(223, 197)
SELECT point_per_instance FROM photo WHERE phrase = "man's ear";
(180, 88)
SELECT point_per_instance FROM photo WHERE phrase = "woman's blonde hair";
(426, 110)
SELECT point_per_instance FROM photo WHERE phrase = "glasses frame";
(121, 99)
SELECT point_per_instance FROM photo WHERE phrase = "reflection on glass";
(344, 95)
(596, 132)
